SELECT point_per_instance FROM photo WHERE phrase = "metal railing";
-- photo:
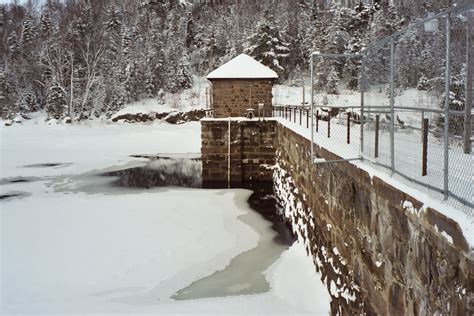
(402, 105)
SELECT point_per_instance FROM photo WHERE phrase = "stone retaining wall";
(378, 250)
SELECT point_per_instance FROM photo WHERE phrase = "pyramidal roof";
(242, 67)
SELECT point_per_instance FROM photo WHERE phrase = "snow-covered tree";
(56, 103)
(407, 59)
(5, 106)
(190, 31)
(46, 25)
(179, 74)
(267, 45)
(28, 33)
(13, 45)
(457, 100)
(332, 82)
(423, 83)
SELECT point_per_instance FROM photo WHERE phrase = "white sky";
(10, 1)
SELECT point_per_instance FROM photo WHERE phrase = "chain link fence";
(403, 105)
(417, 107)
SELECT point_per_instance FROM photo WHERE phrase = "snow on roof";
(243, 67)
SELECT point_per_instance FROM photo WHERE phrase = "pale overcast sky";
(10, 1)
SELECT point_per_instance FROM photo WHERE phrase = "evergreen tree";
(56, 103)
(407, 59)
(5, 107)
(46, 25)
(179, 73)
(330, 68)
(423, 84)
(332, 82)
(13, 45)
(190, 32)
(27, 101)
(27, 33)
(457, 101)
(267, 45)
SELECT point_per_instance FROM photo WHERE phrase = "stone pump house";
(240, 85)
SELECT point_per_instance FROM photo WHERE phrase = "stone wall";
(232, 97)
(378, 251)
(252, 150)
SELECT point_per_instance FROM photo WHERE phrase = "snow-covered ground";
(68, 251)
(193, 98)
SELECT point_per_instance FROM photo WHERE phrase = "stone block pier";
(247, 157)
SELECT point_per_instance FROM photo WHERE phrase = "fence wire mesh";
(407, 101)
(415, 88)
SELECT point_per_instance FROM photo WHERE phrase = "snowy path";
(104, 252)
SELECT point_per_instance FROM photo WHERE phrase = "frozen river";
(73, 241)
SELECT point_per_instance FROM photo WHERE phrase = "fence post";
(329, 124)
(294, 116)
(392, 106)
(301, 113)
(469, 87)
(348, 136)
(446, 108)
(422, 120)
(377, 125)
(290, 110)
(317, 121)
(424, 168)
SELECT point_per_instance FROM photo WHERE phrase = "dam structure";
(381, 246)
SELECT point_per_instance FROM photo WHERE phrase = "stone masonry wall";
(252, 150)
(379, 252)
(232, 97)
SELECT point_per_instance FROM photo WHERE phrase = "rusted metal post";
(329, 124)
(317, 120)
(348, 136)
(290, 112)
(301, 114)
(469, 87)
(377, 125)
(422, 120)
(294, 115)
(424, 168)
